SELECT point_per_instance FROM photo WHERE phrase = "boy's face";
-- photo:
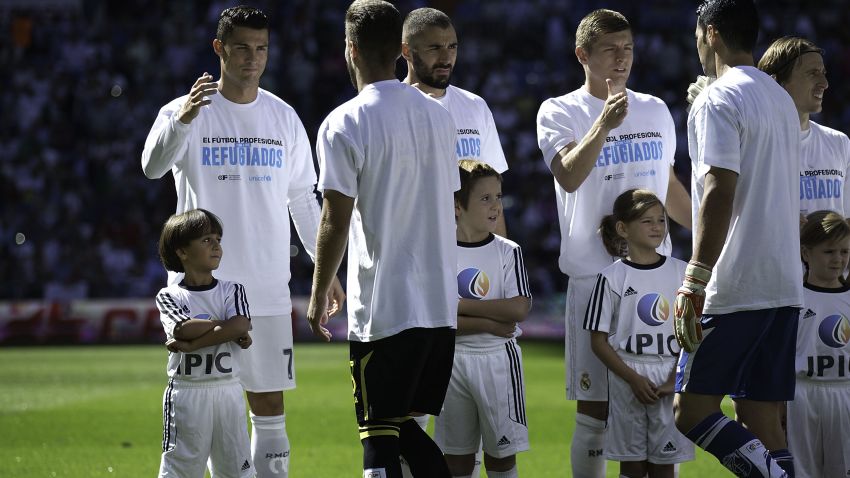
(202, 254)
(484, 208)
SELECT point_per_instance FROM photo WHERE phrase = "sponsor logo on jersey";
(246, 465)
(669, 448)
(629, 292)
(584, 382)
(229, 177)
(809, 314)
(503, 441)
(653, 309)
(473, 283)
(609, 177)
(834, 331)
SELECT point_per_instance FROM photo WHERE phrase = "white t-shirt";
(239, 161)
(477, 137)
(392, 149)
(487, 270)
(824, 167)
(638, 154)
(823, 334)
(634, 304)
(745, 122)
(221, 300)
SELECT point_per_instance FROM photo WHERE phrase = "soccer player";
(819, 415)
(429, 44)
(242, 153)
(388, 171)
(486, 395)
(206, 322)
(631, 335)
(797, 65)
(599, 141)
(744, 143)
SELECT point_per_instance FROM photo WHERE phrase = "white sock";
(586, 450)
(270, 446)
(512, 473)
(753, 456)
(479, 459)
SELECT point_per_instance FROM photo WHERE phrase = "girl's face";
(827, 262)
(645, 233)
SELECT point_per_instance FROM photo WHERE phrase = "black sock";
(421, 453)
(381, 449)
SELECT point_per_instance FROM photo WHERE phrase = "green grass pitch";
(96, 412)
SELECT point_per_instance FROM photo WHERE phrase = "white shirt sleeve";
(493, 154)
(236, 302)
(170, 312)
(339, 162)
(305, 213)
(717, 129)
(515, 275)
(553, 131)
(166, 143)
(599, 316)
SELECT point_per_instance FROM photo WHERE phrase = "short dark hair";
(374, 26)
(181, 229)
(241, 16)
(737, 21)
(470, 172)
(784, 54)
(418, 20)
(598, 23)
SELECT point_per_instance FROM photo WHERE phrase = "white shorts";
(818, 422)
(268, 365)
(638, 432)
(485, 404)
(587, 376)
(205, 421)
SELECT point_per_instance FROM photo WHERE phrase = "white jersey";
(221, 300)
(823, 334)
(392, 149)
(638, 154)
(241, 162)
(633, 302)
(824, 167)
(745, 122)
(487, 270)
(477, 137)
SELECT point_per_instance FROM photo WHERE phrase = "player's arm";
(222, 331)
(330, 247)
(643, 388)
(167, 139)
(573, 163)
(678, 201)
(512, 310)
(475, 325)
(715, 214)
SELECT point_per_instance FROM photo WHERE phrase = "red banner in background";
(118, 321)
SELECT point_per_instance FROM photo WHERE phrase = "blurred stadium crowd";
(87, 77)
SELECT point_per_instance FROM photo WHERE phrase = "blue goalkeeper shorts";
(748, 354)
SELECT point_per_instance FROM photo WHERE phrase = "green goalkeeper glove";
(688, 308)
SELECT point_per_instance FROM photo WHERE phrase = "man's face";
(611, 57)
(807, 83)
(244, 56)
(705, 52)
(433, 54)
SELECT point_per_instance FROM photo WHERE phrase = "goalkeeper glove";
(688, 308)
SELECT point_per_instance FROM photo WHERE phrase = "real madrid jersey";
(487, 270)
(637, 154)
(633, 303)
(824, 166)
(477, 137)
(239, 161)
(220, 300)
(823, 334)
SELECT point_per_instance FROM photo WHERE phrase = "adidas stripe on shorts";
(485, 403)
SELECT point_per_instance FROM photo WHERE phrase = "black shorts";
(404, 373)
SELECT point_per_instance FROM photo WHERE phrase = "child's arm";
(192, 329)
(506, 311)
(644, 390)
(473, 325)
(222, 331)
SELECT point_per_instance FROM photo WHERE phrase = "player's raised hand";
(198, 97)
(616, 107)
(317, 316)
(695, 88)
(688, 307)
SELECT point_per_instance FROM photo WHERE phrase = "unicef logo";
(473, 284)
(653, 309)
(835, 331)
